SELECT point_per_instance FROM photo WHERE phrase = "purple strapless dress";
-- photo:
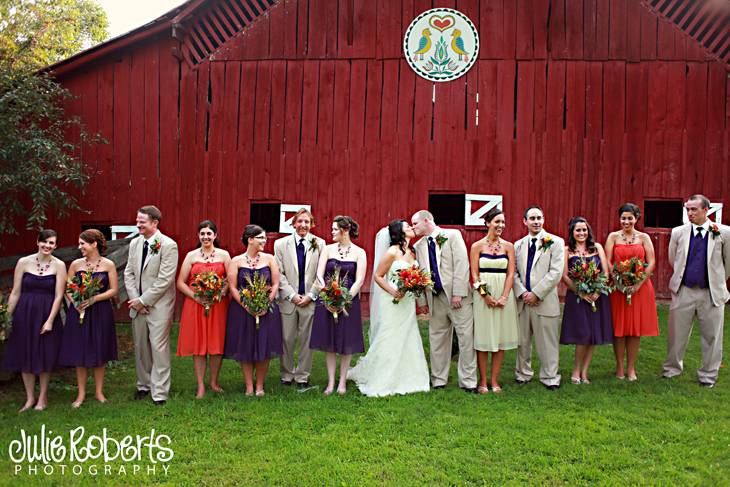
(26, 349)
(93, 343)
(244, 343)
(581, 325)
(345, 336)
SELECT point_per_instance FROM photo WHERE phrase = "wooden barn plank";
(374, 102)
(325, 117)
(262, 101)
(357, 95)
(247, 106)
(406, 101)
(294, 102)
(278, 106)
(618, 29)
(310, 91)
(341, 105)
(388, 111)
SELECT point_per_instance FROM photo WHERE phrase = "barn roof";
(204, 26)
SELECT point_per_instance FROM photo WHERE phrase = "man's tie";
(145, 247)
(301, 258)
(437, 286)
(530, 258)
(699, 232)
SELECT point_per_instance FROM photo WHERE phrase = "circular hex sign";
(441, 44)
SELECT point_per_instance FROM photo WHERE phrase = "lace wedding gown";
(395, 362)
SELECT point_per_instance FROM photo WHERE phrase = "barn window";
(663, 213)
(266, 215)
(447, 209)
(105, 229)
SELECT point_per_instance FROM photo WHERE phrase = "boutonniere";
(546, 242)
(714, 230)
(155, 246)
(441, 239)
(313, 245)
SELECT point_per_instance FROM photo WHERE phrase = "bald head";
(422, 222)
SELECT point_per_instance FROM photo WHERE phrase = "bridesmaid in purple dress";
(345, 336)
(32, 348)
(93, 343)
(582, 326)
(246, 343)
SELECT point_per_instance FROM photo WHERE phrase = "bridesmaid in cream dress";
(492, 262)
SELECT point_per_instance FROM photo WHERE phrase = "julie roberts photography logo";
(78, 452)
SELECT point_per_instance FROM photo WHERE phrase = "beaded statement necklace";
(494, 247)
(628, 241)
(92, 268)
(252, 263)
(207, 258)
(343, 253)
(42, 269)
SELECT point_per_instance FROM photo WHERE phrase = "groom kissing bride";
(395, 363)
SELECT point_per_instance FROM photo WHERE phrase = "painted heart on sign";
(441, 23)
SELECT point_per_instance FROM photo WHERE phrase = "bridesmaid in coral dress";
(201, 335)
(632, 321)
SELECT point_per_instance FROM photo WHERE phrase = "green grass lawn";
(654, 431)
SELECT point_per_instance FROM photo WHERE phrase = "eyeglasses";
(261, 237)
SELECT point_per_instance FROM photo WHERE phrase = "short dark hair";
(704, 199)
(532, 207)
(209, 224)
(44, 235)
(151, 211)
(630, 208)
(93, 235)
(492, 214)
(250, 232)
(347, 224)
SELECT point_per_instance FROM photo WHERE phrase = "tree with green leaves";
(36, 33)
(40, 169)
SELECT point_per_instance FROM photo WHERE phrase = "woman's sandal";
(575, 380)
(483, 390)
(496, 389)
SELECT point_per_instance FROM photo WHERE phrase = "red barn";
(235, 109)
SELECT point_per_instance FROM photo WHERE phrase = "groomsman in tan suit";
(297, 256)
(539, 259)
(443, 253)
(699, 253)
(150, 281)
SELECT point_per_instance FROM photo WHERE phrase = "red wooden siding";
(582, 105)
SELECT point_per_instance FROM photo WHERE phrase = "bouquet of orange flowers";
(82, 287)
(5, 320)
(628, 273)
(589, 279)
(255, 296)
(210, 287)
(335, 295)
(412, 280)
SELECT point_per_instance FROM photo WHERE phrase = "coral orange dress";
(200, 334)
(638, 318)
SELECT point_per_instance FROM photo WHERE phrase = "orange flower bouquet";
(209, 287)
(413, 280)
(335, 295)
(81, 288)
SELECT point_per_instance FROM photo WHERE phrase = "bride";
(395, 362)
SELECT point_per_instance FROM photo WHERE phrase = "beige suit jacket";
(453, 264)
(547, 270)
(158, 277)
(718, 260)
(285, 253)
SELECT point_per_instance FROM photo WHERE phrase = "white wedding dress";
(395, 362)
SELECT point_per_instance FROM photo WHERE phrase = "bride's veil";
(382, 242)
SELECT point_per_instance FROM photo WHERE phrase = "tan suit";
(296, 320)
(152, 331)
(707, 304)
(541, 321)
(453, 265)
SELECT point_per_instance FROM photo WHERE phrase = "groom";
(443, 253)
(699, 253)
(539, 268)
(297, 256)
(150, 282)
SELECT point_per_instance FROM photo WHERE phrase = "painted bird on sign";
(457, 45)
(424, 45)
